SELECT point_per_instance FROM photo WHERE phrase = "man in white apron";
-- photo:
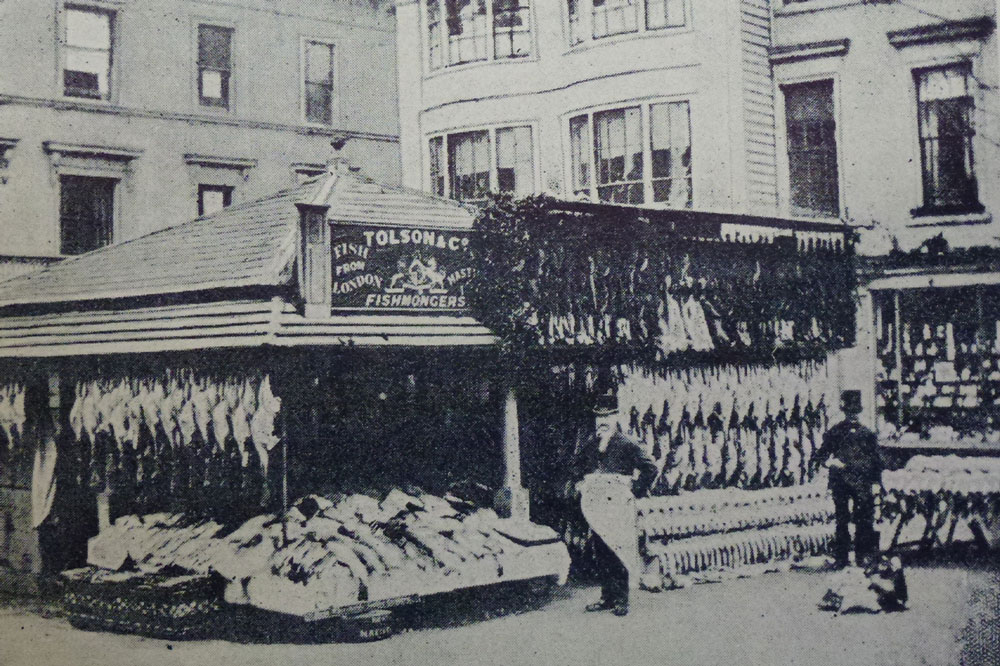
(615, 469)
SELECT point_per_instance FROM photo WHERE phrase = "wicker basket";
(155, 605)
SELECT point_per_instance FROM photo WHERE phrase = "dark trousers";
(613, 574)
(857, 503)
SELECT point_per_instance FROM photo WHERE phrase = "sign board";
(399, 268)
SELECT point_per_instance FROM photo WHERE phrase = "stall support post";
(898, 326)
(104, 510)
(315, 278)
(512, 500)
(866, 342)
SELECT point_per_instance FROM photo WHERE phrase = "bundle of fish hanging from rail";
(741, 554)
(731, 426)
(12, 413)
(730, 531)
(178, 410)
(945, 474)
(323, 554)
(727, 510)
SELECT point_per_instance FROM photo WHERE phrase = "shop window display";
(938, 371)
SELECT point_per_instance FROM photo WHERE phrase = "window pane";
(515, 161)
(469, 165)
(319, 82)
(88, 29)
(664, 14)
(86, 213)
(213, 198)
(614, 17)
(945, 110)
(812, 149)
(214, 46)
(670, 147)
(86, 73)
(87, 64)
(580, 151)
(319, 63)
(211, 84)
(511, 28)
(319, 103)
(619, 155)
(573, 10)
(438, 170)
(466, 30)
(214, 63)
(434, 33)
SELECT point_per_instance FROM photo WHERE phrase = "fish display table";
(708, 534)
(937, 495)
(350, 558)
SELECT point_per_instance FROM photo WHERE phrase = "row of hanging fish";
(182, 405)
(681, 325)
(730, 426)
(12, 413)
(708, 558)
(661, 296)
(731, 510)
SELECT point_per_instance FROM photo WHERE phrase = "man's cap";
(850, 402)
(606, 404)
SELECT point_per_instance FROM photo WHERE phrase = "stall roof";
(225, 324)
(247, 245)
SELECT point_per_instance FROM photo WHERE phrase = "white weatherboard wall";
(718, 62)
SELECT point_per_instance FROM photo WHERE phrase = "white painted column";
(512, 500)
(866, 344)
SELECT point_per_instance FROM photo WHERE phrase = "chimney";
(337, 163)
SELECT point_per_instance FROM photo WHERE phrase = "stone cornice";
(793, 52)
(947, 31)
(192, 118)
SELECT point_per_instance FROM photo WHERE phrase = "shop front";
(932, 335)
(287, 401)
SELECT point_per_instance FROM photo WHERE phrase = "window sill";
(950, 219)
(598, 42)
(80, 99)
(809, 6)
(465, 66)
(212, 110)
(943, 211)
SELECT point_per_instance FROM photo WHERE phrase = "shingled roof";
(247, 245)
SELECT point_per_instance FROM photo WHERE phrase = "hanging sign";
(399, 268)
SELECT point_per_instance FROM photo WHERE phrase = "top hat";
(850, 402)
(606, 404)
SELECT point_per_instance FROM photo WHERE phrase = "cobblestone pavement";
(770, 620)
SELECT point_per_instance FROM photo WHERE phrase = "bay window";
(468, 165)
(640, 154)
(945, 108)
(620, 17)
(464, 31)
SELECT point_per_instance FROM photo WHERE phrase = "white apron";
(609, 507)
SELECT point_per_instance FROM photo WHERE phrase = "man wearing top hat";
(850, 451)
(608, 451)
